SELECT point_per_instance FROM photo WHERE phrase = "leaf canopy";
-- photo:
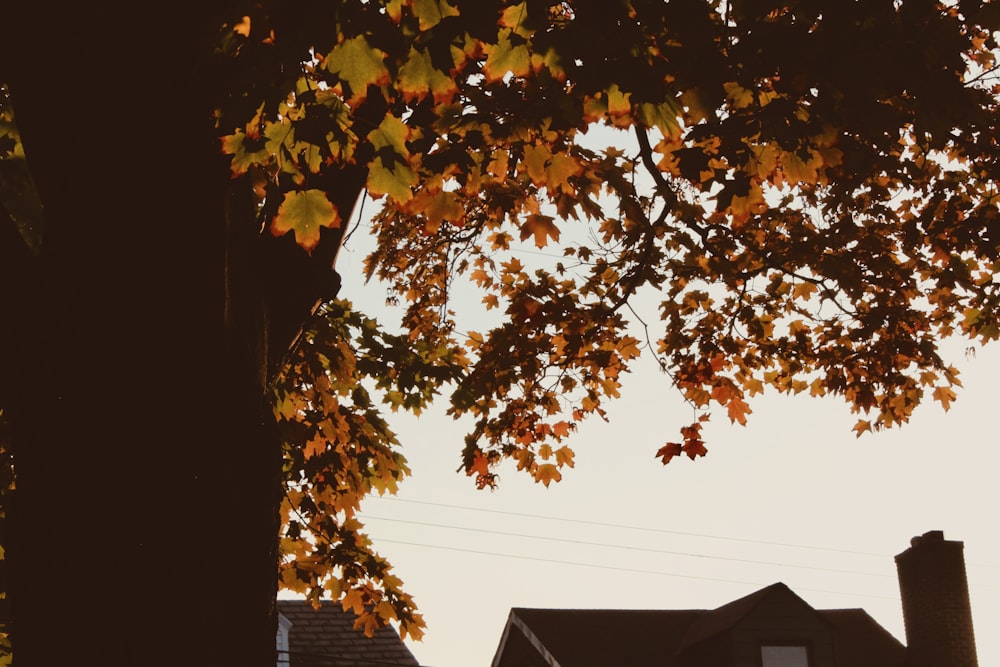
(807, 216)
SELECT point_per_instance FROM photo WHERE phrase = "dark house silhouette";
(326, 637)
(772, 627)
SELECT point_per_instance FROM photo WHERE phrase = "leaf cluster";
(810, 217)
(338, 449)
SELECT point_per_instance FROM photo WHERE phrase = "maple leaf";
(944, 395)
(804, 290)
(504, 57)
(669, 451)
(618, 101)
(558, 171)
(396, 181)
(418, 77)
(430, 12)
(391, 133)
(738, 96)
(437, 207)
(694, 448)
(542, 227)
(359, 65)
(535, 160)
(662, 116)
(547, 473)
(513, 17)
(305, 213)
(738, 410)
(564, 456)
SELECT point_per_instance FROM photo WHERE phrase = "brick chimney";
(936, 609)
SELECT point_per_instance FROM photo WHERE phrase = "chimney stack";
(936, 609)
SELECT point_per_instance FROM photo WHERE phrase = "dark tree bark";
(143, 529)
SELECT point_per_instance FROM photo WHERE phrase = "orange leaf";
(541, 227)
(669, 451)
(547, 473)
(738, 410)
(944, 395)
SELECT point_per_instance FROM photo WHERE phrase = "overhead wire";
(632, 527)
(623, 546)
(616, 568)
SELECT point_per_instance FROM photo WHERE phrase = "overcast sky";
(794, 497)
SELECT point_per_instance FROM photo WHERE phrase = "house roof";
(326, 637)
(600, 636)
(571, 637)
(861, 641)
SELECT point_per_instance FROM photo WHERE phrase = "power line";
(617, 568)
(631, 527)
(625, 546)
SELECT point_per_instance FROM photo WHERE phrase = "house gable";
(734, 634)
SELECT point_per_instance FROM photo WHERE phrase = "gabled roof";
(719, 620)
(326, 637)
(639, 638)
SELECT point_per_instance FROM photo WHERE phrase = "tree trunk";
(144, 524)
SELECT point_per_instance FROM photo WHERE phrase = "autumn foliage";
(804, 190)
(808, 186)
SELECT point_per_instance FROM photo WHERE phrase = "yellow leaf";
(498, 164)
(513, 18)
(430, 12)
(796, 170)
(504, 57)
(304, 213)
(564, 455)
(396, 181)
(862, 426)
(558, 171)
(945, 395)
(385, 611)
(418, 78)
(618, 101)
(535, 159)
(391, 133)
(738, 96)
(662, 116)
(353, 601)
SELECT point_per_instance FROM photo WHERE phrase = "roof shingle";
(326, 637)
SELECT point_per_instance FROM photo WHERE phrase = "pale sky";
(794, 497)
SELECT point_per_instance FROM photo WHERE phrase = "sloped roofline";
(516, 623)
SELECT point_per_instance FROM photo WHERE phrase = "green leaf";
(359, 65)
(391, 133)
(305, 213)
(395, 181)
(504, 57)
(418, 77)
(430, 12)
